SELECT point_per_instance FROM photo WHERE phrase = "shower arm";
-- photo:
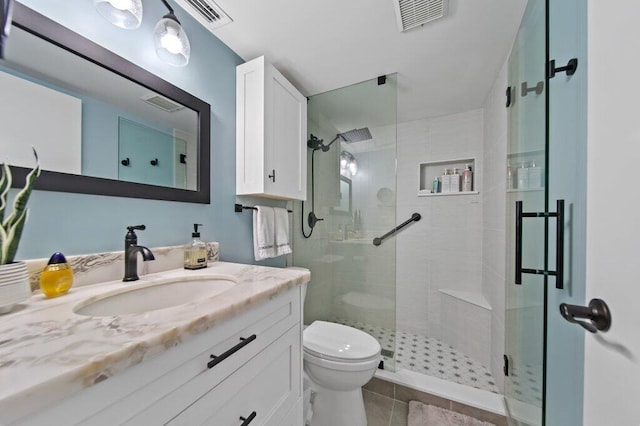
(331, 143)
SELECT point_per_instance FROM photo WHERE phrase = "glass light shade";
(172, 44)
(125, 14)
(353, 167)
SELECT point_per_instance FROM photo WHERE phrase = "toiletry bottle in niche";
(509, 177)
(195, 253)
(454, 181)
(445, 185)
(535, 176)
(522, 174)
(467, 179)
(57, 277)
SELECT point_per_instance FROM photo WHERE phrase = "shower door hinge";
(505, 367)
(569, 69)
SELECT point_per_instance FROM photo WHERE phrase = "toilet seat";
(339, 343)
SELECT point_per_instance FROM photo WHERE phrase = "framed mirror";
(100, 124)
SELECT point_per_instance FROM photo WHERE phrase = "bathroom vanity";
(229, 357)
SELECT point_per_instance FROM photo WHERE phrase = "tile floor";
(428, 355)
(387, 404)
(384, 411)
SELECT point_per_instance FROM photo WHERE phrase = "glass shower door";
(352, 188)
(526, 184)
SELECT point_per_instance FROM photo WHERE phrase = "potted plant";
(14, 279)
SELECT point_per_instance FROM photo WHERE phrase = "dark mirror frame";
(41, 26)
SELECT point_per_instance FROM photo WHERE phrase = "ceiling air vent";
(206, 12)
(413, 13)
(161, 102)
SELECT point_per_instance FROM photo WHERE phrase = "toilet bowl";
(338, 360)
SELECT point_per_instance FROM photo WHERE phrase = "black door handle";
(559, 215)
(217, 359)
(597, 313)
(247, 420)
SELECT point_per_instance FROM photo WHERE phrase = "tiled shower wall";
(444, 249)
(493, 217)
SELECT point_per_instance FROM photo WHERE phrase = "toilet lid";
(337, 341)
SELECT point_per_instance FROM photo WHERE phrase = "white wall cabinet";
(178, 388)
(271, 133)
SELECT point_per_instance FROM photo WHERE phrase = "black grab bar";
(414, 218)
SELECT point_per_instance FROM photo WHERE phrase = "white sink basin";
(154, 295)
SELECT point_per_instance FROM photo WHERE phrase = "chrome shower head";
(356, 135)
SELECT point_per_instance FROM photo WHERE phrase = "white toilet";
(338, 360)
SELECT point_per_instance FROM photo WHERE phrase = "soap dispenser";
(195, 253)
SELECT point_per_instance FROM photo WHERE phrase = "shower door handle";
(272, 176)
(559, 272)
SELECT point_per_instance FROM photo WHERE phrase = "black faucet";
(131, 250)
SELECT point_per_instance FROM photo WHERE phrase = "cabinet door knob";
(247, 420)
(272, 176)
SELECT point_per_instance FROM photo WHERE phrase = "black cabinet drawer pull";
(246, 421)
(217, 359)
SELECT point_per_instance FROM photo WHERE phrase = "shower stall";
(416, 289)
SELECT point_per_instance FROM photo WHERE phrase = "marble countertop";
(47, 352)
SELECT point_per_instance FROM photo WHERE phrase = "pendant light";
(172, 44)
(125, 14)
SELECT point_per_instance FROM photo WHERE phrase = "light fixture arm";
(171, 14)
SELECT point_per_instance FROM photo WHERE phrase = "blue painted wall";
(76, 223)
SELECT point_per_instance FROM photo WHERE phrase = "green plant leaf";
(10, 245)
(5, 186)
(13, 225)
(20, 202)
(3, 239)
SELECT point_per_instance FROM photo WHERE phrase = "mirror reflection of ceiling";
(31, 55)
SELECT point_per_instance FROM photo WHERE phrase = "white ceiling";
(443, 67)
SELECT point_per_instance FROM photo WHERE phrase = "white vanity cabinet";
(260, 375)
(271, 134)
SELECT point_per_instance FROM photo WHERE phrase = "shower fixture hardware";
(570, 68)
(154, 162)
(558, 273)
(126, 162)
(183, 158)
(414, 218)
(538, 88)
(505, 365)
(315, 144)
(217, 359)
(312, 220)
(238, 208)
(382, 80)
(511, 96)
(247, 420)
(272, 176)
(597, 313)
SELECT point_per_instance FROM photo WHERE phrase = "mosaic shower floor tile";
(428, 355)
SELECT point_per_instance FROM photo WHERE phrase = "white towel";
(282, 231)
(264, 233)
